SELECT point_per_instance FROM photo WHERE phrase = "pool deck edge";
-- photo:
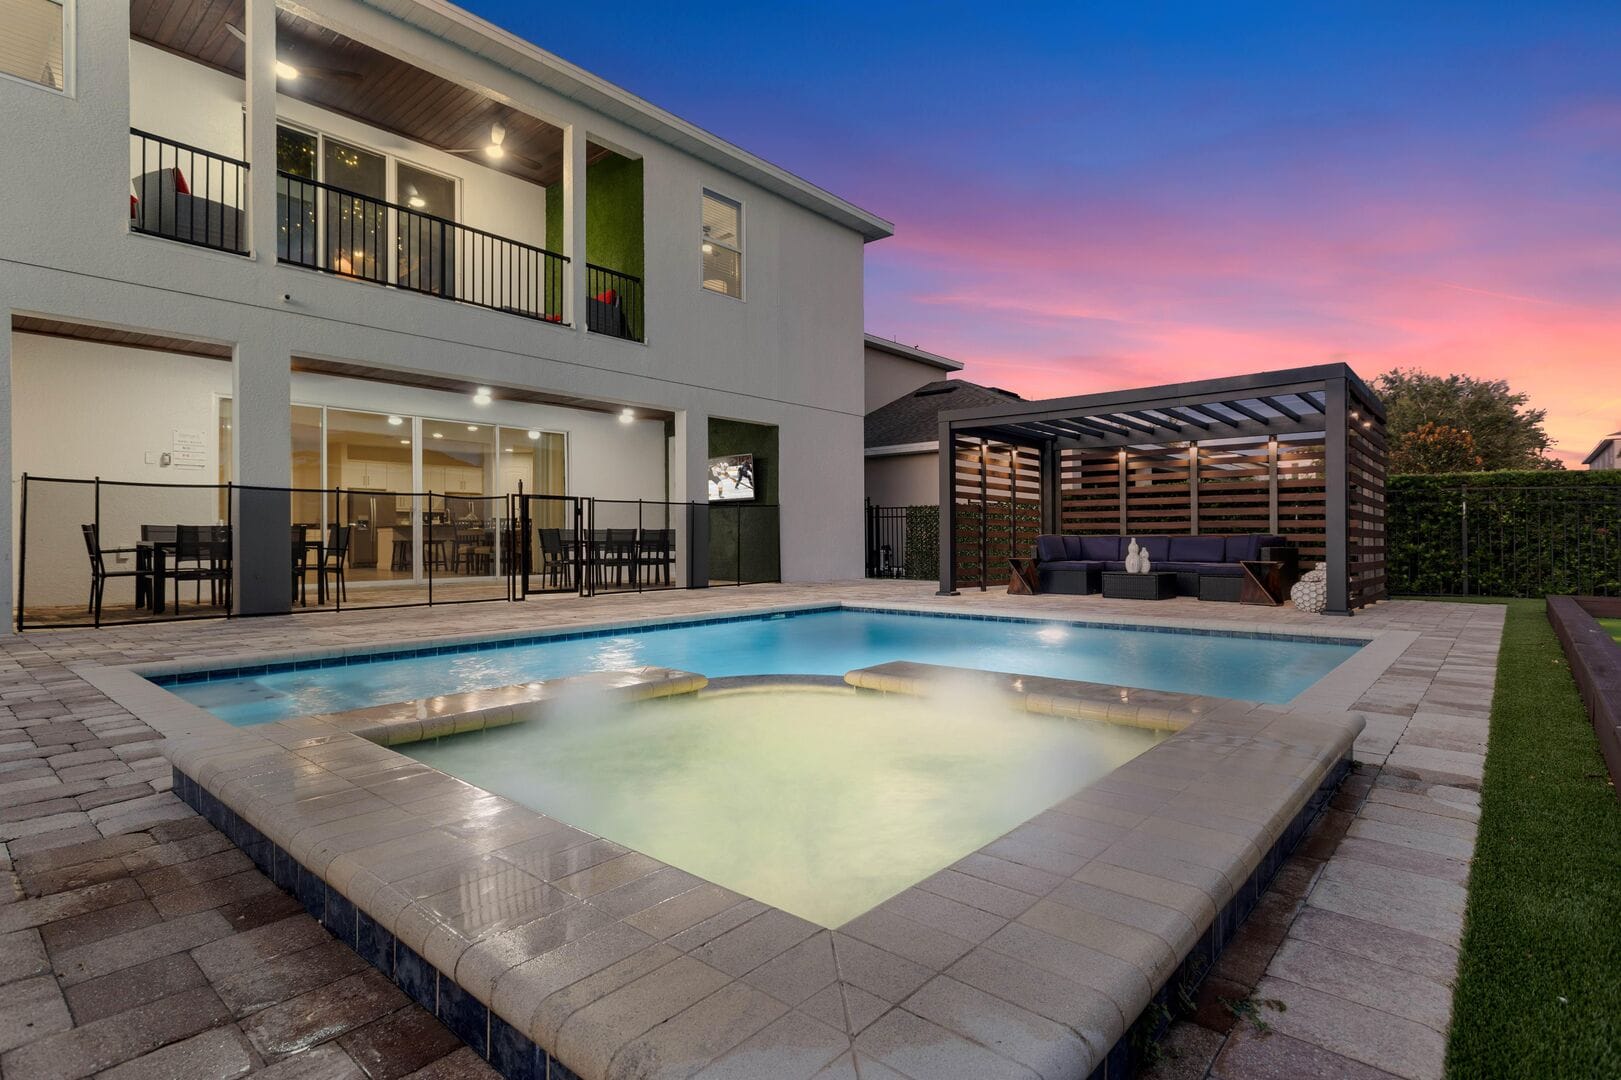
(1122, 894)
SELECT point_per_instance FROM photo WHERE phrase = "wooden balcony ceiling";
(346, 76)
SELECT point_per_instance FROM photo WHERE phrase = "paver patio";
(135, 939)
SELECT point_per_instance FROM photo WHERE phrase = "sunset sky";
(1089, 196)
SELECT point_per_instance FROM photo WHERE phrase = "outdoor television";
(731, 478)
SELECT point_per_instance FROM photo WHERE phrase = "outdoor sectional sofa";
(1205, 566)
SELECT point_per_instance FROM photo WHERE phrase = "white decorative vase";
(1143, 563)
(1310, 593)
(1134, 558)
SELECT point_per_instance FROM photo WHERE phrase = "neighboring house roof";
(1604, 444)
(911, 352)
(447, 21)
(914, 418)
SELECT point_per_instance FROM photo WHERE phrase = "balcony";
(185, 193)
(384, 172)
(327, 228)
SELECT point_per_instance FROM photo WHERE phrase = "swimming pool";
(820, 802)
(816, 642)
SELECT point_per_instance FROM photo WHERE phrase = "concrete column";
(689, 483)
(8, 523)
(574, 225)
(261, 392)
(260, 141)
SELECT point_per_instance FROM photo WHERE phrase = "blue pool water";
(812, 643)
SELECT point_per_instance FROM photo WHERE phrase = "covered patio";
(1299, 453)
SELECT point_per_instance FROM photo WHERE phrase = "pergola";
(1299, 453)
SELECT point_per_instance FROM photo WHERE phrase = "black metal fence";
(343, 232)
(94, 552)
(1505, 541)
(185, 193)
(614, 303)
(903, 542)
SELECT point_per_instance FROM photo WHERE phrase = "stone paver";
(120, 910)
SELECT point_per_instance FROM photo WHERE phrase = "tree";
(1429, 416)
(1435, 448)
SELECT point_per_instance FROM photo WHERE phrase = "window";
(33, 44)
(425, 242)
(723, 245)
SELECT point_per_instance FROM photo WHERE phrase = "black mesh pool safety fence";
(94, 552)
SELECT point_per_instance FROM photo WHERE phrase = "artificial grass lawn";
(1613, 627)
(1539, 982)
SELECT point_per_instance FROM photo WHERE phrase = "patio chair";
(203, 553)
(333, 559)
(99, 572)
(656, 554)
(620, 553)
(556, 568)
(301, 565)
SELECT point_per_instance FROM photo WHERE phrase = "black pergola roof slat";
(1280, 406)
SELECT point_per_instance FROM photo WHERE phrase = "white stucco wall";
(889, 376)
(789, 354)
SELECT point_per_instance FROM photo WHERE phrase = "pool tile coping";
(1160, 859)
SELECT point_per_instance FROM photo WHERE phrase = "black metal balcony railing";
(343, 232)
(613, 303)
(186, 193)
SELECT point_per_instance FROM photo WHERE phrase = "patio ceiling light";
(437, 435)
(483, 396)
(627, 415)
(396, 420)
(472, 427)
(534, 434)
(284, 70)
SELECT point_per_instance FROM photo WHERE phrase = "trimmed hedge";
(1509, 533)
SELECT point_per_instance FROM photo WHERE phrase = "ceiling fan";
(496, 149)
(288, 72)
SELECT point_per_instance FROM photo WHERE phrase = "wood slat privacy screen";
(1226, 486)
(998, 497)
(1365, 512)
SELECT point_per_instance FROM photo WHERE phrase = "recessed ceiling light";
(416, 202)
(709, 249)
(472, 427)
(627, 415)
(534, 434)
(510, 450)
(396, 420)
(405, 442)
(483, 396)
(284, 70)
(437, 435)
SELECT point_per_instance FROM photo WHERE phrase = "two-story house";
(379, 252)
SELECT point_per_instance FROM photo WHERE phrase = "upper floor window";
(33, 44)
(723, 245)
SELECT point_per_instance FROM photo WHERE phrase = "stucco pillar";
(261, 392)
(260, 141)
(13, 483)
(574, 223)
(689, 484)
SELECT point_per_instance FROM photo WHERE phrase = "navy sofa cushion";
(1210, 569)
(1207, 549)
(1103, 548)
(1072, 547)
(1158, 547)
(1050, 548)
(1072, 564)
(1249, 545)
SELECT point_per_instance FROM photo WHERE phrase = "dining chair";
(99, 572)
(471, 549)
(333, 557)
(301, 565)
(202, 553)
(621, 554)
(555, 565)
(656, 554)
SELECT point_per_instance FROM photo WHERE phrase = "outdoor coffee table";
(1025, 580)
(1154, 585)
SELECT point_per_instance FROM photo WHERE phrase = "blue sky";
(1096, 195)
